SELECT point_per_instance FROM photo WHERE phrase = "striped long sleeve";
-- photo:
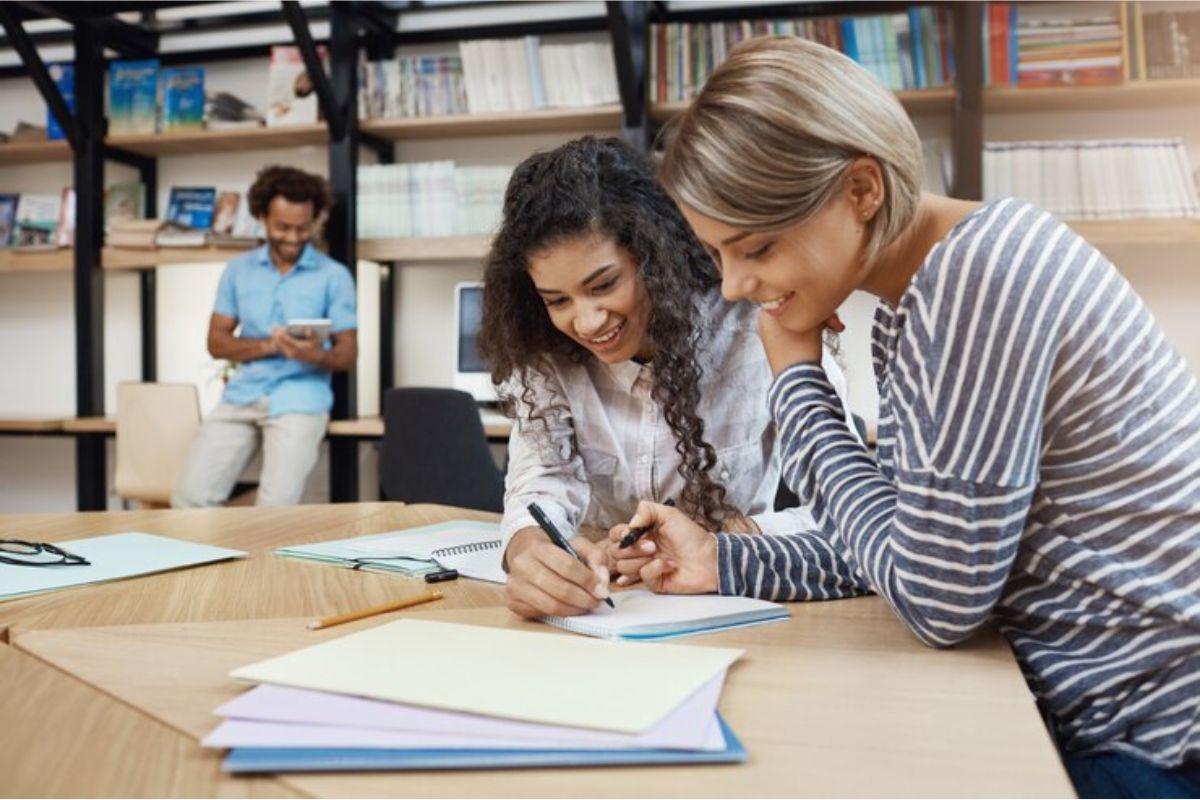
(1038, 467)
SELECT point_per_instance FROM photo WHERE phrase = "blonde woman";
(1039, 441)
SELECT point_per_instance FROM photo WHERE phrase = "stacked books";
(351, 704)
(434, 198)
(1094, 179)
(133, 233)
(906, 50)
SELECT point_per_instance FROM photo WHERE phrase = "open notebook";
(472, 548)
(640, 614)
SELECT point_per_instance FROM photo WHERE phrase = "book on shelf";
(183, 98)
(504, 75)
(133, 233)
(63, 76)
(1170, 40)
(36, 225)
(8, 215)
(65, 237)
(223, 111)
(192, 206)
(28, 132)
(429, 199)
(911, 49)
(124, 201)
(412, 86)
(133, 96)
(1055, 44)
(233, 225)
(173, 234)
(292, 95)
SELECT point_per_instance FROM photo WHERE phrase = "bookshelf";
(1147, 94)
(915, 101)
(113, 258)
(564, 120)
(43, 152)
(218, 141)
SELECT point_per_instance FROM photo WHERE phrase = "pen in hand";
(633, 534)
(559, 540)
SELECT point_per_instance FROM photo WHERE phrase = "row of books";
(37, 221)
(491, 75)
(1095, 179)
(907, 50)
(435, 198)
(1052, 44)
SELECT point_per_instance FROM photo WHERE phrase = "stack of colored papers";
(411, 695)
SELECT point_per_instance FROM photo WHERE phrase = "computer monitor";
(471, 374)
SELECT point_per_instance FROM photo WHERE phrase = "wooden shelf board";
(105, 425)
(30, 424)
(372, 428)
(915, 101)
(132, 258)
(42, 152)
(60, 260)
(551, 120)
(215, 141)
(1138, 231)
(1132, 94)
(433, 248)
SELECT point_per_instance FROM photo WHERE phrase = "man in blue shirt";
(281, 393)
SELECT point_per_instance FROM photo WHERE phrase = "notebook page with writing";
(641, 614)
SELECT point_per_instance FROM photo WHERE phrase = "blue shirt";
(253, 292)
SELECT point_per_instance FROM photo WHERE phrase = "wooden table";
(841, 700)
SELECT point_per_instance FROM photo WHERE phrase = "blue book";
(133, 96)
(64, 78)
(849, 40)
(918, 47)
(183, 98)
(8, 216)
(295, 759)
(192, 206)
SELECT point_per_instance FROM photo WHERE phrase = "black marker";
(631, 537)
(441, 575)
(546, 525)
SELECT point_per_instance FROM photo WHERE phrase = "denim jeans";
(1120, 775)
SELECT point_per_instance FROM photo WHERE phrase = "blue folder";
(293, 759)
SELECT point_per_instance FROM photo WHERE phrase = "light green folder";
(536, 677)
(115, 556)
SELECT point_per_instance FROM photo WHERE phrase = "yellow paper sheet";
(538, 677)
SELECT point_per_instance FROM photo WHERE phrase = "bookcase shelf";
(1140, 232)
(216, 141)
(114, 258)
(43, 152)
(431, 248)
(556, 120)
(35, 260)
(915, 101)
(1132, 94)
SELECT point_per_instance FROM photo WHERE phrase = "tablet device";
(300, 328)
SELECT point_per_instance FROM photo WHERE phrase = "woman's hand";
(785, 348)
(677, 556)
(544, 580)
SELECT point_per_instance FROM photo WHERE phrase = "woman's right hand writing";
(677, 556)
(544, 580)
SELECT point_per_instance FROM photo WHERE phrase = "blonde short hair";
(766, 143)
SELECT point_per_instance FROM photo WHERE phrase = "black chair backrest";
(435, 451)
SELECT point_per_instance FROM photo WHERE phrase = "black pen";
(559, 540)
(631, 537)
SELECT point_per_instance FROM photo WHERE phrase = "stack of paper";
(411, 695)
(472, 548)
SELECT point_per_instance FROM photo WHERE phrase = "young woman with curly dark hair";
(628, 377)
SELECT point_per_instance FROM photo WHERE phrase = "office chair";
(156, 423)
(786, 498)
(434, 451)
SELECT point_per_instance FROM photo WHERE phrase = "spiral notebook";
(639, 614)
(472, 548)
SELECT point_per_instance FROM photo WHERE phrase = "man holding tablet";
(286, 313)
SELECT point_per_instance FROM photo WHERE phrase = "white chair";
(156, 424)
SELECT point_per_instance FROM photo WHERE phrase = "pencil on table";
(351, 616)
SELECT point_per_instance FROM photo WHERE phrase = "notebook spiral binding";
(463, 549)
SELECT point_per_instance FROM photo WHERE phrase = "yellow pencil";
(351, 616)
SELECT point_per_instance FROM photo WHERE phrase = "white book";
(641, 614)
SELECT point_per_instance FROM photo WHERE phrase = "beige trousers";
(228, 440)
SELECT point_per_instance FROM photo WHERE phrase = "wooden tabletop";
(839, 701)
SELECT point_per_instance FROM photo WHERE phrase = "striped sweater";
(1038, 466)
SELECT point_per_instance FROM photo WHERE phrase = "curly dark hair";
(294, 185)
(603, 186)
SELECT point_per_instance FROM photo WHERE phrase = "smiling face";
(595, 296)
(801, 274)
(289, 227)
